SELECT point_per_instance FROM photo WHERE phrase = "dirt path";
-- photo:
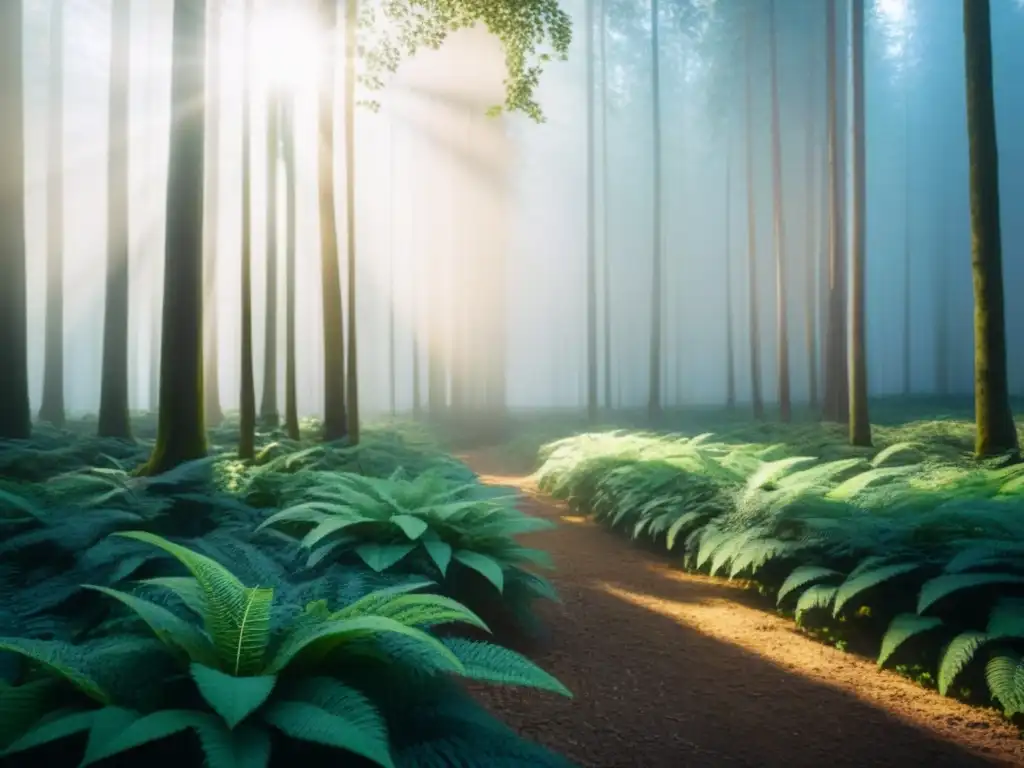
(670, 671)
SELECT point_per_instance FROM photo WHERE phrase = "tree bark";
(812, 262)
(52, 406)
(606, 251)
(730, 354)
(860, 424)
(996, 432)
(114, 420)
(907, 346)
(180, 431)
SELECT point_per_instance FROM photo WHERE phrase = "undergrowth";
(170, 613)
(911, 551)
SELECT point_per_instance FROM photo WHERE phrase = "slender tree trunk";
(860, 424)
(352, 371)
(291, 407)
(730, 353)
(247, 394)
(810, 248)
(836, 405)
(181, 435)
(335, 422)
(269, 415)
(52, 407)
(752, 305)
(654, 391)
(211, 221)
(942, 307)
(907, 347)
(114, 420)
(779, 227)
(996, 430)
(591, 204)
(15, 416)
(606, 251)
(391, 272)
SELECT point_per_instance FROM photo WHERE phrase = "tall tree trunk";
(291, 408)
(335, 422)
(996, 430)
(860, 424)
(352, 370)
(836, 405)
(591, 203)
(654, 384)
(247, 392)
(606, 251)
(52, 407)
(752, 302)
(113, 418)
(730, 352)
(813, 261)
(211, 221)
(779, 227)
(392, 384)
(181, 435)
(942, 307)
(269, 415)
(15, 416)
(907, 346)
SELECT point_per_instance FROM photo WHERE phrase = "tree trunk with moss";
(291, 408)
(247, 393)
(860, 424)
(114, 420)
(180, 432)
(996, 432)
(52, 406)
(211, 366)
(268, 407)
(335, 422)
(753, 310)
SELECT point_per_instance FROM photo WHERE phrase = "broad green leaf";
(380, 557)
(233, 698)
(359, 729)
(412, 526)
(149, 728)
(58, 726)
(440, 552)
(486, 566)
(107, 724)
(247, 746)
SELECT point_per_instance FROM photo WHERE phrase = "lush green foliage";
(123, 631)
(914, 544)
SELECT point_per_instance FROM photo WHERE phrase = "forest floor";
(676, 670)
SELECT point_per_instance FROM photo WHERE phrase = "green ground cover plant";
(911, 551)
(156, 616)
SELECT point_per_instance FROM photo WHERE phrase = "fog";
(474, 228)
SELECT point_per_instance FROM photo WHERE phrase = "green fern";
(940, 587)
(855, 586)
(1004, 674)
(901, 629)
(804, 576)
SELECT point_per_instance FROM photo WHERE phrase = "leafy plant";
(239, 676)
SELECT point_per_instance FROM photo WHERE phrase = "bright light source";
(286, 46)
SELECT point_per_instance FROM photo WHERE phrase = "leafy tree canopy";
(531, 32)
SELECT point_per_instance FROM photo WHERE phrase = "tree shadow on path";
(669, 671)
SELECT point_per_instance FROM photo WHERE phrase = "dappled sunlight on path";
(673, 669)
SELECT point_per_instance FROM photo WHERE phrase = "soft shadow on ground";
(670, 670)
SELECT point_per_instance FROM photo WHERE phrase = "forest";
(427, 383)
